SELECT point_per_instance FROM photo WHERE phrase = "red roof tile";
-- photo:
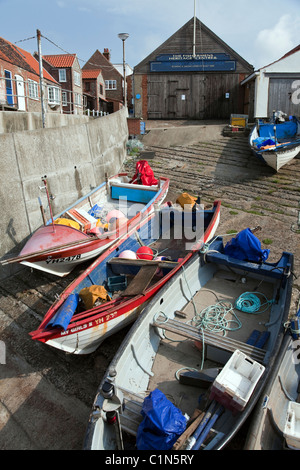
(60, 60)
(21, 58)
(91, 73)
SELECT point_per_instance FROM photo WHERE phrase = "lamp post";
(123, 37)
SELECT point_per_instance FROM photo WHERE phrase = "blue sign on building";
(208, 62)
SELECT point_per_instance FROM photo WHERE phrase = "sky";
(261, 31)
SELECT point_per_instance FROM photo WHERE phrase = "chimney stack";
(106, 54)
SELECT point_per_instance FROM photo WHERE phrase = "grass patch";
(267, 241)
(233, 213)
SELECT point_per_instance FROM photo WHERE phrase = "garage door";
(282, 94)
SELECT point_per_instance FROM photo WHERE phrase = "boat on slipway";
(195, 338)
(275, 424)
(276, 143)
(115, 288)
(93, 223)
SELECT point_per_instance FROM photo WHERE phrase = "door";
(20, 93)
(282, 93)
(9, 88)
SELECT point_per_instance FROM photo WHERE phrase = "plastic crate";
(240, 120)
(236, 382)
(291, 430)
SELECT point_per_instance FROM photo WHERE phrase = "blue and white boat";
(276, 144)
(196, 338)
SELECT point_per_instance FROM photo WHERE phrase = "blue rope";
(249, 302)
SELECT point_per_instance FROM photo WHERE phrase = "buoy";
(127, 254)
(144, 252)
(118, 223)
(114, 214)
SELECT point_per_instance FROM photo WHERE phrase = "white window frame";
(77, 99)
(33, 89)
(64, 98)
(62, 75)
(110, 84)
(55, 92)
(77, 78)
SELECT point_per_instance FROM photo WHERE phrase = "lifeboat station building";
(192, 75)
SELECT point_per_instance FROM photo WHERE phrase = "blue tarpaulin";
(247, 247)
(285, 130)
(64, 314)
(163, 423)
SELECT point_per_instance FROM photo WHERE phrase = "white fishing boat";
(93, 223)
(194, 338)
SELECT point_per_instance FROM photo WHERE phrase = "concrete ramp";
(182, 135)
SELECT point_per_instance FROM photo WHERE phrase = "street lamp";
(123, 37)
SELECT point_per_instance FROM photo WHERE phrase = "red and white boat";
(171, 235)
(93, 223)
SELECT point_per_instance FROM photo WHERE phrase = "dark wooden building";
(187, 79)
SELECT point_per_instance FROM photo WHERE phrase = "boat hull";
(268, 423)
(85, 334)
(58, 249)
(134, 371)
(281, 154)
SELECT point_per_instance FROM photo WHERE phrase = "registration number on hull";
(63, 260)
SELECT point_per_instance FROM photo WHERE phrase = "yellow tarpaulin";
(186, 200)
(90, 295)
(68, 222)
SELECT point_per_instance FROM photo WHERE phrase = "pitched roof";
(99, 60)
(60, 60)
(174, 45)
(91, 73)
(21, 58)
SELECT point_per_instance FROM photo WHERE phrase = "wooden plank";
(221, 342)
(141, 281)
(142, 262)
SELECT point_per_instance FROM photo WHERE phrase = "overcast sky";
(261, 31)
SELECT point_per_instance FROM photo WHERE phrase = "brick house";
(113, 79)
(94, 90)
(20, 80)
(66, 70)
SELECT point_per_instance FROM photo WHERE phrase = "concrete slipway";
(46, 395)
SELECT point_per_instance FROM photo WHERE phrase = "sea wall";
(74, 159)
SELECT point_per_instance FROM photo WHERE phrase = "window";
(77, 99)
(9, 88)
(101, 89)
(110, 84)
(62, 75)
(53, 95)
(64, 98)
(77, 78)
(33, 89)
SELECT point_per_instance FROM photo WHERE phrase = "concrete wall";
(14, 121)
(74, 159)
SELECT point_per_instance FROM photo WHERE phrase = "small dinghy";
(111, 292)
(204, 338)
(93, 223)
(276, 143)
